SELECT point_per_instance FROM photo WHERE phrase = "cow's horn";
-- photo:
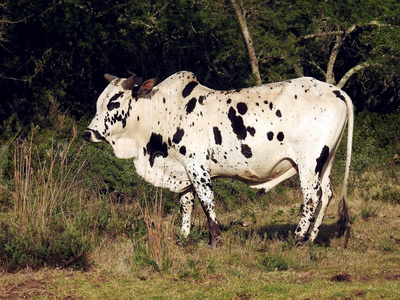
(110, 77)
(131, 82)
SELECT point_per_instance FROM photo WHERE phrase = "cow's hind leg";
(321, 211)
(186, 205)
(311, 188)
(325, 200)
(315, 184)
(201, 181)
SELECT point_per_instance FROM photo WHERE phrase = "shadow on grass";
(283, 232)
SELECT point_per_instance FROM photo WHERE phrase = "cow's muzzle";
(92, 136)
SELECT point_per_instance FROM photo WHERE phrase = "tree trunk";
(248, 41)
(330, 76)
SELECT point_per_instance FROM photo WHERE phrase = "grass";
(50, 284)
(55, 217)
(249, 265)
(79, 227)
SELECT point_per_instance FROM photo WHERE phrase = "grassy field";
(77, 223)
(258, 260)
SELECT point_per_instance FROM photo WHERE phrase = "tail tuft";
(343, 218)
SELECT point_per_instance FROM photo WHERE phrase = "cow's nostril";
(86, 135)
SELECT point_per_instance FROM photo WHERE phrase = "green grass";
(246, 266)
(83, 209)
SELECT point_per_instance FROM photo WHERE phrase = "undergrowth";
(61, 197)
(55, 217)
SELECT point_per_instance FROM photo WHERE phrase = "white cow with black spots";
(182, 134)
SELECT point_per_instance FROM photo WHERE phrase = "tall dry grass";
(57, 214)
(153, 218)
(44, 185)
(154, 249)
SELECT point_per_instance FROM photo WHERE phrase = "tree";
(55, 52)
(355, 46)
(351, 44)
(4, 22)
(356, 42)
(248, 40)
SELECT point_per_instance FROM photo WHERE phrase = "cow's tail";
(343, 211)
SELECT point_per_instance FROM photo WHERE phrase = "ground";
(257, 260)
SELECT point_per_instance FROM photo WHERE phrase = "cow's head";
(113, 109)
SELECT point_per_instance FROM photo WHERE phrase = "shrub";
(58, 247)
(272, 262)
(55, 217)
(368, 212)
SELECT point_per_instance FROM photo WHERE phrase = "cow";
(182, 134)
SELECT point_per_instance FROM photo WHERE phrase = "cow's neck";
(149, 131)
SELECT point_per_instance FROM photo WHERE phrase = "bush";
(55, 215)
(59, 246)
(272, 262)
(376, 141)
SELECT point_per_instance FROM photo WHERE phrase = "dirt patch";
(341, 278)
(392, 277)
(25, 290)
(244, 296)
(360, 293)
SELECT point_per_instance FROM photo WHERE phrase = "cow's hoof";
(301, 240)
(215, 242)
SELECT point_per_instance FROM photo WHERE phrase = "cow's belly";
(264, 173)
(261, 168)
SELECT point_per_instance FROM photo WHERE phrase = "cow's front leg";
(186, 204)
(201, 181)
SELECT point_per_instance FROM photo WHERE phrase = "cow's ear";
(146, 87)
(110, 77)
(132, 82)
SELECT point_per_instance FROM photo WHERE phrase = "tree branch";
(39, 66)
(351, 72)
(248, 41)
(318, 68)
(322, 34)
(298, 70)
(340, 37)
(341, 32)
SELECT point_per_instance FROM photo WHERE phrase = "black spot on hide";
(113, 105)
(182, 150)
(339, 95)
(237, 124)
(246, 151)
(190, 105)
(156, 147)
(270, 135)
(178, 135)
(189, 88)
(321, 160)
(251, 130)
(217, 136)
(242, 108)
(280, 136)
